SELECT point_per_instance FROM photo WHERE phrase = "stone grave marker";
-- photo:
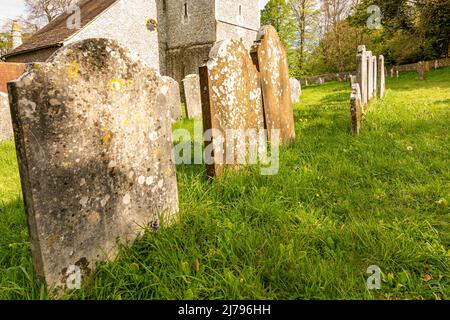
(369, 76)
(362, 72)
(381, 77)
(375, 76)
(6, 131)
(95, 155)
(296, 90)
(192, 96)
(232, 105)
(171, 89)
(270, 57)
(356, 109)
(421, 70)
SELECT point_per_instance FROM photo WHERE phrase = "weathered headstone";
(381, 77)
(232, 104)
(171, 89)
(362, 73)
(369, 75)
(270, 57)
(356, 109)
(95, 155)
(375, 76)
(296, 90)
(421, 70)
(6, 131)
(192, 96)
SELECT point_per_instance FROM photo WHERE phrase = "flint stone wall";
(95, 155)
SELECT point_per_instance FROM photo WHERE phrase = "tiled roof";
(56, 32)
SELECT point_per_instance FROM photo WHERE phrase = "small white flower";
(410, 148)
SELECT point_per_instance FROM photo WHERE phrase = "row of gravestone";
(92, 128)
(368, 84)
(191, 85)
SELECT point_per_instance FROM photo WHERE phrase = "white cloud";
(262, 3)
(10, 9)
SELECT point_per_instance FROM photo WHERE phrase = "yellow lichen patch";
(52, 239)
(107, 137)
(115, 85)
(72, 70)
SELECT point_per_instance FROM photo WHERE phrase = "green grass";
(338, 205)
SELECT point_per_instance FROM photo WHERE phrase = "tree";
(306, 13)
(42, 12)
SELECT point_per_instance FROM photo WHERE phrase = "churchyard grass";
(338, 205)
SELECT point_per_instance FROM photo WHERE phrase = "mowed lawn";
(338, 205)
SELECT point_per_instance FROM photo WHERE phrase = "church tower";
(191, 27)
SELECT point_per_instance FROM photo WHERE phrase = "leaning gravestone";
(192, 96)
(232, 105)
(356, 109)
(381, 77)
(6, 131)
(270, 57)
(369, 76)
(362, 73)
(95, 155)
(296, 90)
(171, 89)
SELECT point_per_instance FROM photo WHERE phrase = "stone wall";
(432, 64)
(320, 79)
(9, 72)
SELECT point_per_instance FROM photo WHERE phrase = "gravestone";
(421, 70)
(362, 73)
(95, 155)
(381, 77)
(375, 76)
(192, 96)
(296, 90)
(6, 131)
(356, 109)
(369, 75)
(270, 57)
(232, 104)
(171, 89)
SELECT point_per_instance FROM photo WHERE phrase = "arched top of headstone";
(94, 140)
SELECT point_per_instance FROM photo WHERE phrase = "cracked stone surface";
(270, 57)
(6, 131)
(95, 155)
(231, 99)
(192, 94)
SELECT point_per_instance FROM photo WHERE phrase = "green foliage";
(338, 205)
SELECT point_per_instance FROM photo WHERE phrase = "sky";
(9, 9)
